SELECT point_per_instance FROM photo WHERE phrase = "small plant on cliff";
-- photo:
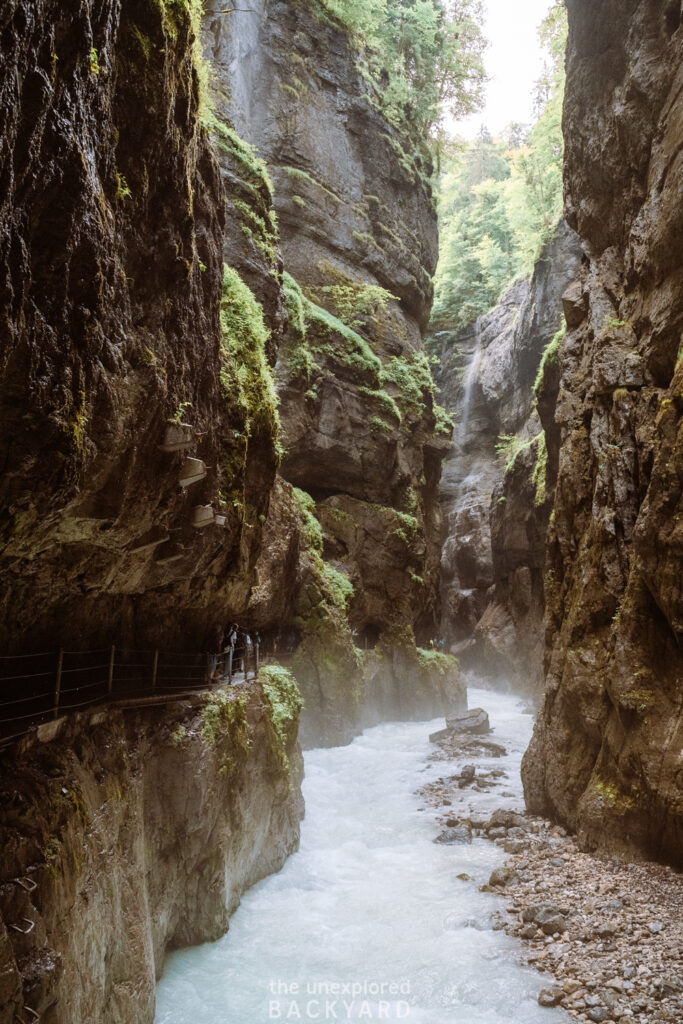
(436, 661)
(508, 447)
(122, 190)
(94, 62)
(285, 704)
(538, 477)
(550, 356)
(312, 530)
(224, 723)
(339, 587)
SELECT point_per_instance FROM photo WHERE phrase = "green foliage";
(436, 661)
(501, 199)
(252, 168)
(246, 377)
(312, 530)
(550, 356)
(122, 190)
(411, 379)
(285, 704)
(508, 448)
(423, 57)
(339, 586)
(354, 302)
(224, 724)
(94, 62)
(539, 474)
(445, 424)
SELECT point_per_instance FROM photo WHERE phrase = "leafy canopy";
(501, 198)
(425, 57)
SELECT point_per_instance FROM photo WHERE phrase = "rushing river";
(369, 921)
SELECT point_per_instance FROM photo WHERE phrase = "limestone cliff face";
(360, 431)
(111, 238)
(606, 753)
(494, 511)
(134, 833)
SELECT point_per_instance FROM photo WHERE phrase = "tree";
(501, 199)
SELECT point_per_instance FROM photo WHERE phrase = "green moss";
(549, 357)
(509, 446)
(385, 402)
(252, 168)
(445, 424)
(246, 377)
(122, 190)
(299, 175)
(613, 323)
(298, 200)
(436, 661)
(255, 227)
(339, 587)
(94, 62)
(539, 474)
(143, 41)
(224, 724)
(617, 800)
(313, 531)
(356, 302)
(637, 699)
(411, 379)
(285, 704)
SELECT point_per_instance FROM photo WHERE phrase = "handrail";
(164, 672)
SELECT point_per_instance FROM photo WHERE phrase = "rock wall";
(360, 431)
(135, 832)
(111, 238)
(606, 755)
(495, 515)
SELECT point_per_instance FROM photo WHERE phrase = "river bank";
(607, 934)
(370, 900)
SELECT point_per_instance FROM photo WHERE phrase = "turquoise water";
(369, 920)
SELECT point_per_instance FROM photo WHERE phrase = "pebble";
(608, 934)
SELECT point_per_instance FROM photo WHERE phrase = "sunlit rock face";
(606, 754)
(493, 553)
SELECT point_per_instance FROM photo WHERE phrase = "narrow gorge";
(323, 422)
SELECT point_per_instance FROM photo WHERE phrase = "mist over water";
(371, 903)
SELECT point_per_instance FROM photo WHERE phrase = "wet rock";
(461, 833)
(468, 772)
(550, 997)
(502, 877)
(507, 819)
(475, 721)
(605, 755)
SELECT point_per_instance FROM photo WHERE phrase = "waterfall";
(469, 379)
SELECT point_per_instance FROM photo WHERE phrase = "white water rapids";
(371, 904)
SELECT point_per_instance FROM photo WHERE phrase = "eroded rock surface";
(606, 753)
(135, 832)
(493, 553)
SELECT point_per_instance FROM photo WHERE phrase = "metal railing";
(35, 688)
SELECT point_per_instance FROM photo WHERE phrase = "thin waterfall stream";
(370, 919)
(468, 385)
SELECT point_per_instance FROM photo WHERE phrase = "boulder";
(475, 721)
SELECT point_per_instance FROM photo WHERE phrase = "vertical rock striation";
(606, 755)
(361, 434)
(495, 509)
(111, 235)
(134, 833)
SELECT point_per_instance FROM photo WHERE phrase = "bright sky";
(514, 62)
